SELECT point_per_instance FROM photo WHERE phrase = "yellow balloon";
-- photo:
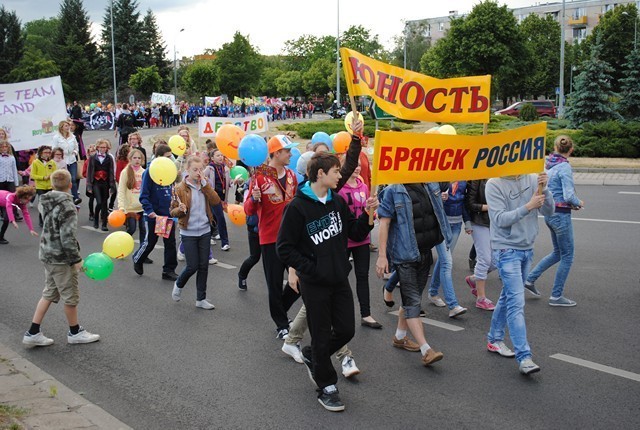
(349, 119)
(163, 171)
(178, 145)
(118, 245)
(447, 129)
(432, 130)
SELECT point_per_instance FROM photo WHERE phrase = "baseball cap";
(278, 142)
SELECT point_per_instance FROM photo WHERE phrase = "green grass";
(8, 414)
(306, 130)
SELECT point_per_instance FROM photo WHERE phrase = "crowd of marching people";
(309, 225)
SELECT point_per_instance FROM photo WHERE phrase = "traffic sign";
(378, 113)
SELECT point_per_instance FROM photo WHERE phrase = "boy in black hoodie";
(312, 241)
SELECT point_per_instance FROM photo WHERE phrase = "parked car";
(543, 107)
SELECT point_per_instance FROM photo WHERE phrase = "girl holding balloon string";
(219, 177)
(129, 192)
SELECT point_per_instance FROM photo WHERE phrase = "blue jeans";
(562, 237)
(443, 271)
(196, 252)
(391, 283)
(221, 223)
(513, 266)
(413, 279)
(73, 170)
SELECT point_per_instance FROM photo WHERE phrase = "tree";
(155, 48)
(302, 52)
(289, 83)
(129, 43)
(41, 34)
(592, 96)
(360, 39)
(314, 80)
(417, 44)
(542, 39)
(146, 80)
(629, 105)
(240, 66)
(268, 79)
(33, 65)
(11, 42)
(614, 33)
(202, 78)
(76, 54)
(485, 42)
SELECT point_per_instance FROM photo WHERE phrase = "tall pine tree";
(155, 48)
(11, 43)
(630, 96)
(128, 43)
(592, 96)
(77, 54)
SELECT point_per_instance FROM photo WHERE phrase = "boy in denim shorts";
(60, 254)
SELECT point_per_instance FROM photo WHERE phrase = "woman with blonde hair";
(564, 195)
(66, 141)
(129, 192)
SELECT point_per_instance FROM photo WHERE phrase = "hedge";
(307, 129)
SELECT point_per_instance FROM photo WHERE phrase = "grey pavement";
(606, 177)
(49, 404)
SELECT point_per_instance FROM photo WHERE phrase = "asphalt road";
(167, 365)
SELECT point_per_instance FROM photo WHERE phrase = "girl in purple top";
(355, 192)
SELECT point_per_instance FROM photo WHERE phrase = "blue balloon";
(295, 156)
(322, 137)
(333, 136)
(253, 150)
(299, 177)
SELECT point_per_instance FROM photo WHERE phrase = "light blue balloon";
(299, 177)
(333, 136)
(253, 150)
(295, 156)
(322, 137)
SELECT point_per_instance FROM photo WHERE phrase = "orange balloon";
(236, 214)
(341, 142)
(228, 138)
(116, 219)
(99, 104)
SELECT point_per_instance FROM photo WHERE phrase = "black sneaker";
(90, 218)
(4, 241)
(307, 359)
(137, 267)
(331, 401)
(170, 276)
(77, 201)
(281, 333)
(104, 228)
(148, 261)
(242, 284)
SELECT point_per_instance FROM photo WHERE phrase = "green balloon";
(239, 171)
(92, 105)
(98, 266)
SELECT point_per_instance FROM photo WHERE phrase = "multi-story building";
(581, 16)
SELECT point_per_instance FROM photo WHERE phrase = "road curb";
(44, 388)
(605, 170)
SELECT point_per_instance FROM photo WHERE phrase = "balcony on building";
(578, 20)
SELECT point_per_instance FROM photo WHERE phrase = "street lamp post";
(573, 69)
(635, 30)
(113, 60)
(405, 46)
(175, 70)
(561, 101)
(338, 58)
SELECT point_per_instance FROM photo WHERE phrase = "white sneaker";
(500, 348)
(349, 367)
(213, 241)
(37, 339)
(225, 247)
(204, 304)
(176, 293)
(180, 256)
(458, 310)
(293, 351)
(212, 260)
(216, 237)
(437, 301)
(83, 336)
(527, 366)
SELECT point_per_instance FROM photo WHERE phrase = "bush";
(609, 139)
(307, 129)
(528, 113)
(575, 135)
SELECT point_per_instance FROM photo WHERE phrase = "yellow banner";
(404, 158)
(410, 95)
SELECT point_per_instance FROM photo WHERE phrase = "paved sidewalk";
(605, 177)
(49, 403)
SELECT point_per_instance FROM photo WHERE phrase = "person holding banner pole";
(66, 141)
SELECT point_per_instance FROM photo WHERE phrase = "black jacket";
(313, 237)
(474, 199)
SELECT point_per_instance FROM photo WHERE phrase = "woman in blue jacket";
(564, 194)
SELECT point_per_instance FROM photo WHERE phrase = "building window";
(441, 26)
(427, 30)
(579, 34)
(607, 7)
(554, 15)
(579, 13)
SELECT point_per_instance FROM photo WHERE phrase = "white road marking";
(157, 245)
(225, 265)
(90, 228)
(629, 192)
(613, 221)
(596, 366)
(435, 323)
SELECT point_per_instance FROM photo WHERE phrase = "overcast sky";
(210, 23)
